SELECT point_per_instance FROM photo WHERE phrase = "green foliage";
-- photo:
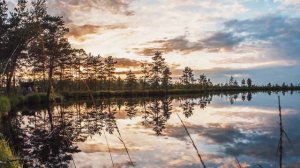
(6, 154)
(166, 79)
(243, 82)
(110, 70)
(36, 98)
(249, 82)
(5, 105)
(17, 100)
(157, 67)
(131, 81)
(187, 77)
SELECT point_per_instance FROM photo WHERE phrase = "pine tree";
(157, 68)
(231, 81)
(99, 71)
(78, 64)
(166, 79)
(203, 81)
(249, 82)
(36, 49)
(145, 75)
(110, 70)
(243, 82)
(235, 83)
(119, 83)
(3, 38)
(130, 80)
(3, 28)
(187, 77)
(55, 44)
(20, 32)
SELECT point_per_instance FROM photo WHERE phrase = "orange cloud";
(125, 63)
(79, 32)
(217, 42)
(66, 8)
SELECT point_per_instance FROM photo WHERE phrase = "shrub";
(16, 100)
(33, 98)
(42, 98)
(4, 104)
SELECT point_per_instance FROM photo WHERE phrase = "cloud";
(277, 34)
(291, 2)
(218, 41)
(79, 32)
(245, 139)
(180, 44)
(67, 8)
(216, 132)
(222, 41)
(125, 63)
(150, 51)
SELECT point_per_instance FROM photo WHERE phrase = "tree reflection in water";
(48, 137)
(45, 139)
(130, 108)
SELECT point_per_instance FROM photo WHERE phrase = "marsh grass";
(7, 157)
(5, 105)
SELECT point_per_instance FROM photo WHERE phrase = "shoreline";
(157, 93)
(15, 101)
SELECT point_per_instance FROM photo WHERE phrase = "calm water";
(226, 129)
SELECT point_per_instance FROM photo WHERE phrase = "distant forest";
(33, 45)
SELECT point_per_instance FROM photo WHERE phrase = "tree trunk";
(50, 117)
(8, 83)
(44, 77)
(50, 75)
(10, 76)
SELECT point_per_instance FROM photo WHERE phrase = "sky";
(256, 39)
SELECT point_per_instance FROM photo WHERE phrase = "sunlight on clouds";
(200, 34)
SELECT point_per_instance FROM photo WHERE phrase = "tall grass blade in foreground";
(238, 162)
(283, 133)
(200, 158)
(280, 144)
(112, 161)
(94, 104)
(120, 137)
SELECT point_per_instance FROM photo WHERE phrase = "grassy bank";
(148, 93)
(7, 157)
(9, 102)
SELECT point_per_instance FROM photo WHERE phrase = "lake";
(225, 130)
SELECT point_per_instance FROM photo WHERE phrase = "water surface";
(147, 132)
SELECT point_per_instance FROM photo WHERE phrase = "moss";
(5, 105)
(7, 154)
